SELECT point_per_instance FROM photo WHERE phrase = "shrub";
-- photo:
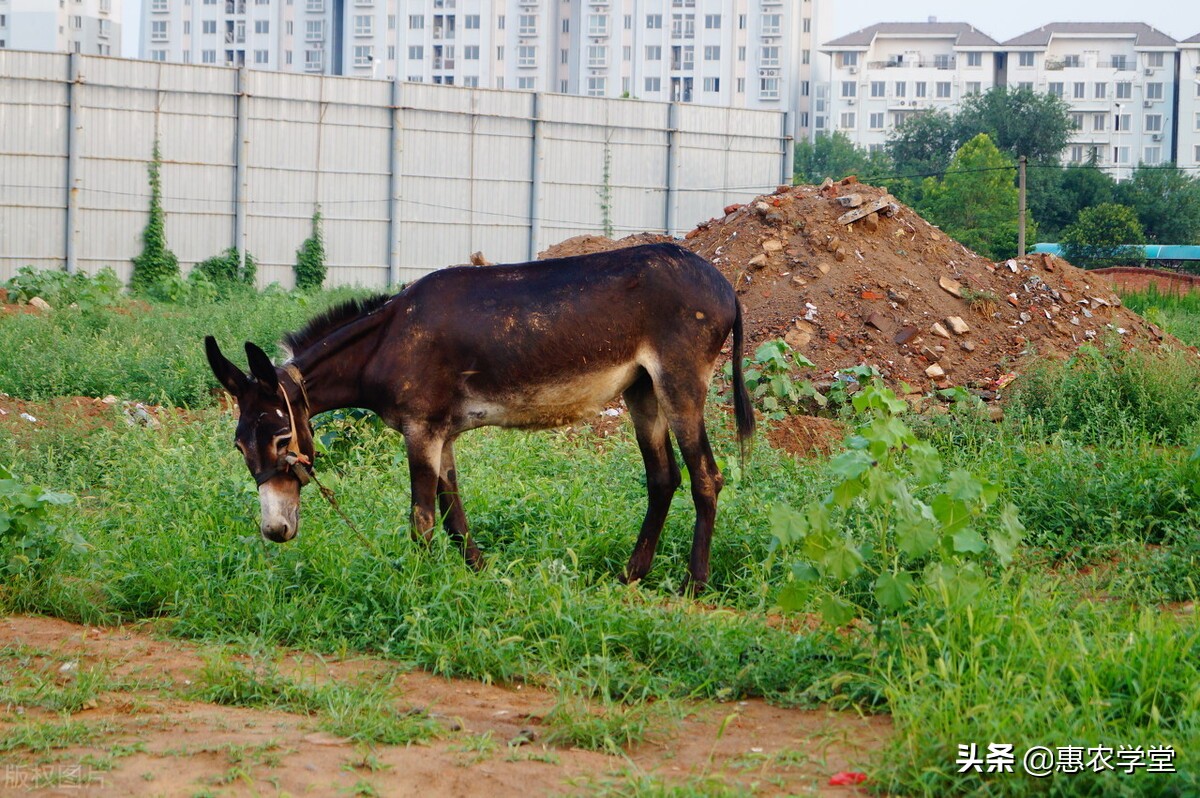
(156, 262)
(226, 274)
(310, 258)
(61, 289)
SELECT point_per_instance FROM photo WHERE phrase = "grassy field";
(1088, 640)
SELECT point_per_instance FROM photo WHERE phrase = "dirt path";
(148, 738)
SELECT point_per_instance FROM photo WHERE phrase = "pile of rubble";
(848, 275)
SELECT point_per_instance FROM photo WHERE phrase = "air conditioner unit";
(1147, 104)
(850, 101)
(853, 70)
(1149, 71)
(1156, 137)
(1198, 70)
(913, 103)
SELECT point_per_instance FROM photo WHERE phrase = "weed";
(607, 726)
(475, 748)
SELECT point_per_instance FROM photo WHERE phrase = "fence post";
(74, 124)
(535, 178)
(396, 165)
(789, 151)
(240, 156)
(673, 161)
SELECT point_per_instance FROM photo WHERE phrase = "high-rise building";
(1189, 104)
(92, 27)
(739, 53)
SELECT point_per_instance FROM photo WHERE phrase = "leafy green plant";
(891, 523)
(156, 261)
(226, 273)
(61, 289)
(28, 539)
(310, 258)
(770, 382)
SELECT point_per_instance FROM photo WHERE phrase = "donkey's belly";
(550, 404)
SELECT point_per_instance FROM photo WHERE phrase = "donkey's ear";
(226, 373)
(261, 367)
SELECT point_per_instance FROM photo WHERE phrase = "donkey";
(532, 346)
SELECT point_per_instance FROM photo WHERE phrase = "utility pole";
(1021, 207)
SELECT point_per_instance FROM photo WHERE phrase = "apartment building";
(881, 75)
(1189, 105)
(1133, 91)
(1119, 80)
(739, 53)
(65, 26)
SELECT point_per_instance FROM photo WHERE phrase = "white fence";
(408, 177)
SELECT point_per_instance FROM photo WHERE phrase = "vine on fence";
(156, 263)
(310, 258)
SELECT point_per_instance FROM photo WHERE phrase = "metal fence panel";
(408, 177)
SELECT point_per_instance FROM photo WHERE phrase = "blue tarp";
(1153, 251)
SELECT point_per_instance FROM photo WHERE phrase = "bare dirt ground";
(153, 740)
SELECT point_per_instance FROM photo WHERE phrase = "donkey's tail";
(743, 411)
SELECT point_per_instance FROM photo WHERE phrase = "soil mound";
(849, 275)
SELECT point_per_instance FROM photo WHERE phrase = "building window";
(1118, 62)
(208, 56)
(1076, 153)
(849, 59)
(527, 83)
(712, 21)
(471, 52)
(362, 24)
(471, 22)
(769, 58)
(597, 26)
(654, 21)
(807, 29)
(901, 88)
(943, 89)
(942, 61)
(1120, 155)
(500, 53)
(741, 53)
(155, 55)
(805, 90)
(848, 120)
(1154, 91)
(1122, 122)
(314, 7)
(416, 52)
(1098, 122)
(1025, 59)
(208, 26)
(1153, 123)
(1196, 152)
(261, 57)
(628, 20)
(1077, 121)
(876, 121)
(597, 56)
(768, 89)
(1101, 91)
(741, 21)
(526, 56)
(527, 25)
(712, 53)
(416, 21)
(1154, 60)
(1055, 90)
(1124, 90)
(1079, 90)
(712, 84)
(159, 6)
(849, 88)
(391, 21)
(314, 30)
(1152, 155)
(1070, 61)
(596, 86)
(974, 87)
(500, 26)
(158, 31)
(471, 81)
(974, 59)
(771, 24)
(653, 85)
(878, 88)
(653, 52)
(920, 88)
(262, 26)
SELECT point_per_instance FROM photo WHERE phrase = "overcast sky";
(1001, 20)
(1005, 19)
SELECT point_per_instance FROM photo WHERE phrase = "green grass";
(1175, 312)
(1095, 454)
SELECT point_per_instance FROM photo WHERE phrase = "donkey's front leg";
(424, 465)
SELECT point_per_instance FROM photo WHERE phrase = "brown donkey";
(533, 345)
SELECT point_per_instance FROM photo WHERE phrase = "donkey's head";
(273, 434)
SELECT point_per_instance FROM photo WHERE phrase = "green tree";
(1019, 122)
(921, 146)
(1055, 195)
(156, 263)
(1104, 235)
(835, 156)
(976, 202)
(1167, 203)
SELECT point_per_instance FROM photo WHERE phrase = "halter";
(292, 460)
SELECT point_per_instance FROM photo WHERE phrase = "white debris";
(28, 417)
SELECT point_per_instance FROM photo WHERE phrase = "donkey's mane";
(334, 318)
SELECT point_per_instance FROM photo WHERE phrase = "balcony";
(443, 34)
(442, 63)
(923, 63)
(235, 8)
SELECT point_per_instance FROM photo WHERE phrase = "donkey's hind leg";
(662, 472)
